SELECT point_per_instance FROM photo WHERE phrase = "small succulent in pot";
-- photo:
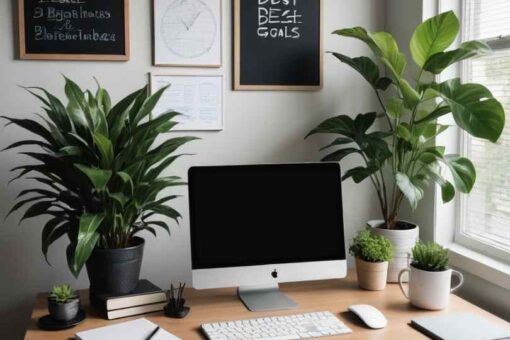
(63, 303)
(372, 253)
(430, 277)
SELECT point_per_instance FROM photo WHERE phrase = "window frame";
(479, 244)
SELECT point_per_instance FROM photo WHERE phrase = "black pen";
(152, 334)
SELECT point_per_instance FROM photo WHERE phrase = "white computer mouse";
(370, 315)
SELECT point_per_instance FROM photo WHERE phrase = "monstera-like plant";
(402, 159)
(100, 173)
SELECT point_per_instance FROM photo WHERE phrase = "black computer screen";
(265, 214)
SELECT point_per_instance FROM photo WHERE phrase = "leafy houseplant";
(372, 253)
(402, 159)
(430, 277)
(63, 303)
(406, 145)
(100, 169)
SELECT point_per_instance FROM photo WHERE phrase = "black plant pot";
(63, 311)
(115, 271)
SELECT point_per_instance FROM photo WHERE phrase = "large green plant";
(407, 146)
(100, 169)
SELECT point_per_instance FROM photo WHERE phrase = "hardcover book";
(145, 293)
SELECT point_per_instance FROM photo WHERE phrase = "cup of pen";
(175, 307)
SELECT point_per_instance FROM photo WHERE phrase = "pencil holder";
(176, 309)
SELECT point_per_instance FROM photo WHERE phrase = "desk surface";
(332, 295)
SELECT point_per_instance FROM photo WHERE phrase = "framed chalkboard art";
(74, 29)
(278, 45)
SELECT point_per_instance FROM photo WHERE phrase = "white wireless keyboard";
(298, 326)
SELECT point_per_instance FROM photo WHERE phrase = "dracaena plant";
(99, 169)
(402, 159)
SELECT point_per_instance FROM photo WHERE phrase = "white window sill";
(483, 266)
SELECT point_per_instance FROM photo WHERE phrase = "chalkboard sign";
(277, 44)
(74, 29)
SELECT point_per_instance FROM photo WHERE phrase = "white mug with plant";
(430, 277)
(401, 158)
(63, 303)
(372, 253)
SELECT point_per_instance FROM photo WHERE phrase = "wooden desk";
(333, 295)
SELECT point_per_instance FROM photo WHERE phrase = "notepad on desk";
(138, 329)
(463, 326)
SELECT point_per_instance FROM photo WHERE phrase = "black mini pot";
(115, 271)
(63, 311)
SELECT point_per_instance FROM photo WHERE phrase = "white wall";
(260, 127)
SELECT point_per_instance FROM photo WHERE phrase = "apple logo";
(274, 274)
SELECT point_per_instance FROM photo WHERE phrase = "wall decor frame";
(199, 98)
(187, 33)
(278, 47)
(74, 30)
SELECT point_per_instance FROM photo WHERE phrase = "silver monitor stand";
(264, 298)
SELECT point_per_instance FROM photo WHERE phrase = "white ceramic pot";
(429, 290)
(403, 241)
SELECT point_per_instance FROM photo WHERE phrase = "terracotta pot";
(371, 275)
(403, 242)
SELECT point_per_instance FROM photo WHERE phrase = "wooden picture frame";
(237, 85)
(192, 84)
(23, 54)
(211, 57)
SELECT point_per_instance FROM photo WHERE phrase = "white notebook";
(138, 329)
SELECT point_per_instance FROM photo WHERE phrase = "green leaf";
(52, 232)
(389, 52)
(342, 125)
(37, 209)
(463, 172)
(98, 177)
(433, 36)
(361, 34)
(364, 65)
(409, 188)
(469, 49)
(338, 141)
(119, 197)
(403, 132)
(338, 155)
(363, 122)
(394, 107)
(383, 83)
(105, 148)
(360, 173)
(447, 189)
(87, 239)
(474, 109)
(411, 97)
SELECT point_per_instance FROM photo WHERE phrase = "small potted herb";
(372, 253)
(63, 303)
(429, 277)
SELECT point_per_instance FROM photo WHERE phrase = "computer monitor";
(253, 226)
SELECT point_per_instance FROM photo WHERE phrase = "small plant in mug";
(371, 248)
(430, 257)
(62, 294)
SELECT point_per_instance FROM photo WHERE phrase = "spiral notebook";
(132, 330)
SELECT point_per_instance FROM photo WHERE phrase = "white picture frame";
(187, 33)
(199, 99)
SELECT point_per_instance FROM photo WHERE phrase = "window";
(484, 215)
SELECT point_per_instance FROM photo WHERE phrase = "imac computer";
(253, 226)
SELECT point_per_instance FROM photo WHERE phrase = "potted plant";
(372, 253)
(63, 303)
(401, 158)
(99, 170)
(430, 277)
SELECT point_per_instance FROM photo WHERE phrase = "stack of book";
(145, 298)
